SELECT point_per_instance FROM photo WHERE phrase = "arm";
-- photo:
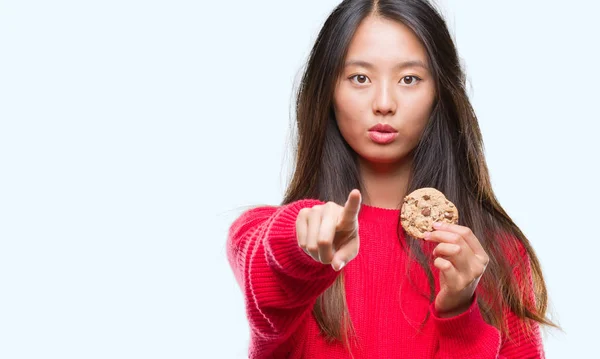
(467, 335)
(279, 281)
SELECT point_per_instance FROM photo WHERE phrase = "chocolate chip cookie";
(423, 207)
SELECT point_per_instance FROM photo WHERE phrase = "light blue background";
(133, 132)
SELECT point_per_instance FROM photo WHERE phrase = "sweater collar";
(374, 213)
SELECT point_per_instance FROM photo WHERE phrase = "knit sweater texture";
(386, 296)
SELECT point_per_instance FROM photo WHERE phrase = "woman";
(330, 273)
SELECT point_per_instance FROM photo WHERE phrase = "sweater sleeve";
(279, 281)
(467, 335)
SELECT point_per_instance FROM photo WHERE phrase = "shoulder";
(251, 217)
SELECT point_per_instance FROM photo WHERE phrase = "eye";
(360, 79)
(411, 80)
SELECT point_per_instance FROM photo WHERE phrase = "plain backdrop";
(132, 133)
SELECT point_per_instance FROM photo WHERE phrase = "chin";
(382, 157)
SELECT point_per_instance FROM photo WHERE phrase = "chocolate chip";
(426, 211)
(426, 197)
(416, 202)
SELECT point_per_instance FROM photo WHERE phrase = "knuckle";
(483, 259)
(454, 238)
(314, 215)
(331, 204)
(322, 241)
(303, 212)
(465, 231)
(486, 260)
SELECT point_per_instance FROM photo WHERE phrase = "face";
(386, 81)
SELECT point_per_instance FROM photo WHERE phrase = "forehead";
(385, 42)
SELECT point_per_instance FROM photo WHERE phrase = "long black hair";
(448, 157)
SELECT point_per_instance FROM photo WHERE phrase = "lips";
(382, 133)
(383, 128)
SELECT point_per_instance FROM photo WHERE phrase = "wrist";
(452, 312)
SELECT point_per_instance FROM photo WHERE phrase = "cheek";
(420, 111)
(350, 114)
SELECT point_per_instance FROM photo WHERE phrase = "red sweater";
(281, 283)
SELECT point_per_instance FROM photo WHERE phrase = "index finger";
(352, 206)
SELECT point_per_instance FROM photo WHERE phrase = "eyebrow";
(401, 65)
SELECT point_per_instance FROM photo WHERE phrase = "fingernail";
(437, 225)
(426, 235)
(341, 266)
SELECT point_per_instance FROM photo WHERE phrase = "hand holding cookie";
(461, 259)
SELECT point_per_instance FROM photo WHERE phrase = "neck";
(385, 184)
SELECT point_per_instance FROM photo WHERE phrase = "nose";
(384, 102)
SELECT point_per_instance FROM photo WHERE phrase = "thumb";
(344, 255)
